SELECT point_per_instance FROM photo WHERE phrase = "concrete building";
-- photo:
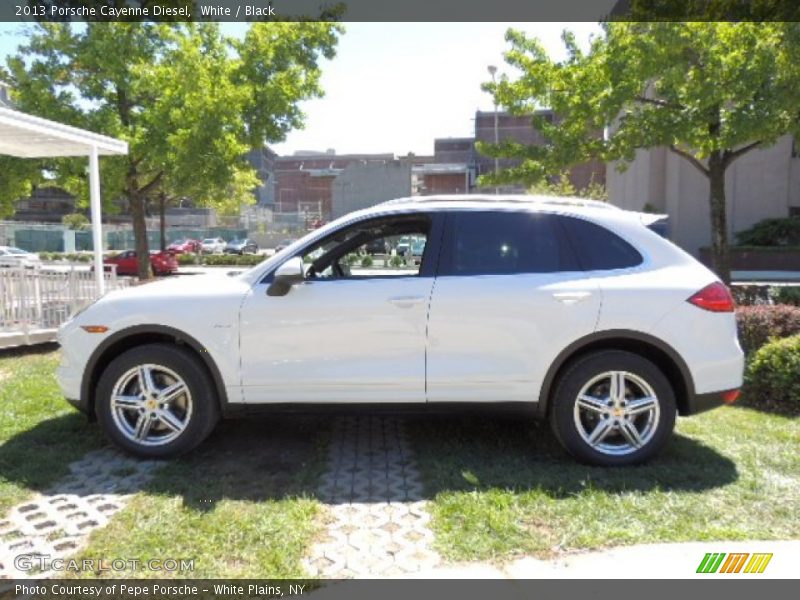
(759, 185)
(361, 185)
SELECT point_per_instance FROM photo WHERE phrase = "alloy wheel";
(151, 405)
(617, 413)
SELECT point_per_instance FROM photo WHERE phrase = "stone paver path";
(378, 522)
(57, 522)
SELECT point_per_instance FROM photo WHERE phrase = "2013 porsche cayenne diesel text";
(573, 310)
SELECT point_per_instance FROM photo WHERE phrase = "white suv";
(569, 310)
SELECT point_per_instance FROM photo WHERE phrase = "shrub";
(366, 261)
(772, 232)
(772, 380)
(186, 258)
(230, 260)
(757, 324)
(786, 295)
(396, 261)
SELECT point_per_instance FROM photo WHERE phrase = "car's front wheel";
(156, 401)
(613, 408)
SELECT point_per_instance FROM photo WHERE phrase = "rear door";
(509, 296)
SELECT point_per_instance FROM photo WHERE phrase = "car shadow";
(502, 451)
(279, 456)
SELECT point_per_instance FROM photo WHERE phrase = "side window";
(600, 249)
(504, 243)
(385, 247)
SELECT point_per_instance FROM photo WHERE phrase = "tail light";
(715, 298)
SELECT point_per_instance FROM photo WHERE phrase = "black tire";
(198, 423)
(572, 430)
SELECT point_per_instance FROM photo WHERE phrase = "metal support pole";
(496, 142)
(493, 71)
(97, 233)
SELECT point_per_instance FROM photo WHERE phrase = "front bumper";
(70, 384)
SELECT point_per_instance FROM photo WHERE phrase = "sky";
(394, 87)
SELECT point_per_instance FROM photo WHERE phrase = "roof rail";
(506, 198)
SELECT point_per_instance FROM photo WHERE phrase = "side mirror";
(288, 274)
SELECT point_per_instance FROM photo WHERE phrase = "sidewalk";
(651, 561)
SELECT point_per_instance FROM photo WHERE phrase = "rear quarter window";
(599, 249)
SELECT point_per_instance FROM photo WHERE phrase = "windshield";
(16, 251)
(209, 241)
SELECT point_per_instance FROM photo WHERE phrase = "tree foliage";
(189, 101)
(710, 92)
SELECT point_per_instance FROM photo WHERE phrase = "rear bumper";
(700, 403)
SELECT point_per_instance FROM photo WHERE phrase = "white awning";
(26, 136)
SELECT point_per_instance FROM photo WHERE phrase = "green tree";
(75, 221)
(189, 101)
(563, 186)
(710, 92)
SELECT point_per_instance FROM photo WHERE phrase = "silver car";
(11, 256)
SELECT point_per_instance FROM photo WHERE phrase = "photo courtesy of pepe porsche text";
(145, 589)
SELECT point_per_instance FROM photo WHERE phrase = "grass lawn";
(40, 434)
(502, 487)
(243, 504)
(240, 506)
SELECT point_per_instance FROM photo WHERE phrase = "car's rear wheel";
(613, 408)
(156, 401)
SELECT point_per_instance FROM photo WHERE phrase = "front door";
(355, 329)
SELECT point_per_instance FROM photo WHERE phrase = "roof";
(26, 136)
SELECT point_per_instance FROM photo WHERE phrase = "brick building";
(304, 182)
(520, 129)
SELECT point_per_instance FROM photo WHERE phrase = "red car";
(163, 263)
(181, 246)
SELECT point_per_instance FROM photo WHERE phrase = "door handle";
(571, 297)
(406, 301)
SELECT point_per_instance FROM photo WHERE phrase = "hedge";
(757, 324)
(772, 380)
(233, 259)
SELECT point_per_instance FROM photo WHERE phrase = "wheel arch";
(138, 335)
(661, 354)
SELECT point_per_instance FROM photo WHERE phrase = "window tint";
(600, 249)
(496, 243)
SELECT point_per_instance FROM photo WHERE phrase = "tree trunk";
(162, 211)
(720, 252)
(140, 235)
